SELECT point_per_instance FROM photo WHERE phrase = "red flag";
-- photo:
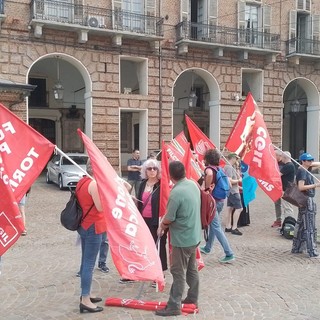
(132, 247)
(186, 161)
(165, 181)
(11, 223)
(251, 141)
(24, 152)
(201, 143)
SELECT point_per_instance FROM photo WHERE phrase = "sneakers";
(276, 224)
(123, 280)
(227, 259)
(103, 267)
(78, 274)
(236, 232)
(24, 233)
(204, 250)
(227, 229)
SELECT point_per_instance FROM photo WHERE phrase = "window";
(133, 76)
(252, 81)
(132, 15)
(203, 17)
(38, 97)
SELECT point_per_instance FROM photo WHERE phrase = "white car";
(63, 172)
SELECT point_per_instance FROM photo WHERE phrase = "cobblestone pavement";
(266, 281)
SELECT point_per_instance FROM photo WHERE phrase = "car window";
(66, 161)
(80, 159)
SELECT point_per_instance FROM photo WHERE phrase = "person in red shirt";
(91, 229)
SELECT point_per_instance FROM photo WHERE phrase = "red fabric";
(24, 151)
(11, 223)
(147, 305)
(132, 247)
(201, 143)
(165, 181)
(251, 141)
(23, 154)
(94, 216)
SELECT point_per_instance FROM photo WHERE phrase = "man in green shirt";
(184, 223)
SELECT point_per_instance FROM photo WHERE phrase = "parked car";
(63, 172)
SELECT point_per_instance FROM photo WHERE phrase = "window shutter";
(308, 5)
(292, 31)
(241, 14)
(304, 5)
(185, 10)
(117, 4)
(316, 33)
(266, 26)
(150, 8)
(212, 12)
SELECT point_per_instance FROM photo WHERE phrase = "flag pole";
(62, 153)
(296, 162)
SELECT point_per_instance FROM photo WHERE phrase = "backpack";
(207, 211)
(71, 216)
(222, 185)
(287, 228)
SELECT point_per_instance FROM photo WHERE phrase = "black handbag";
(294, 196)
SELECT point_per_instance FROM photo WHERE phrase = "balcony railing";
(303, 46)
(83, 15)
(219, 35)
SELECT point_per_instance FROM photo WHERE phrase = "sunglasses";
(152, 168)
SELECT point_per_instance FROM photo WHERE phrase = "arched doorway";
(196, 93)
(57, 116)
(300, 131)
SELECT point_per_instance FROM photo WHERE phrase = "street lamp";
(295, 105)
(58, 88)
(192, 96)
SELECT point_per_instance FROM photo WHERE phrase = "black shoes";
(103, 267)
(236, 232)
(227, 229)
(123, 281)
(166, 312)
(94, 300)
(85, 308)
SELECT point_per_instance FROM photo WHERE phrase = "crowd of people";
(183, 221)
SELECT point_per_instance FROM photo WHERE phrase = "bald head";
(286, 157)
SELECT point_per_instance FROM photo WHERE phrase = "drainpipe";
(160, 86)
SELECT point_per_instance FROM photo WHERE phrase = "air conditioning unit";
(96, 21)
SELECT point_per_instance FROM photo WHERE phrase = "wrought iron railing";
(83, 15)
(303, 46)
(243, 37)
(1, 6)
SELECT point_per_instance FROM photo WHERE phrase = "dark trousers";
(183, 269)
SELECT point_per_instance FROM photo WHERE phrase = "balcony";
(218, 38)
(88, 20)
(303, 49)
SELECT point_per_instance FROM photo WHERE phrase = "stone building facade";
(132, 69)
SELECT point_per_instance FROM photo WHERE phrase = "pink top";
(147, 211)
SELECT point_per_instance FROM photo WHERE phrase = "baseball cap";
(306, 157)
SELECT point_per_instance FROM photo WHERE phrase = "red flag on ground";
(147, 305)
(201, 143)
(165, 181)
(24, 152)
(132, 247)
(251, 141)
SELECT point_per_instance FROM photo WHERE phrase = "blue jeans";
(90, 245)
(104, 248)
(215, 230)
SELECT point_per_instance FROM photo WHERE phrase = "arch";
(308, 90)
(79, 66)
(213, 103)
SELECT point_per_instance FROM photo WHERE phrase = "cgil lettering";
(260, 144)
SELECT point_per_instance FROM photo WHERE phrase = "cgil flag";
(23, 154)
(132, 247)
(250, 140)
